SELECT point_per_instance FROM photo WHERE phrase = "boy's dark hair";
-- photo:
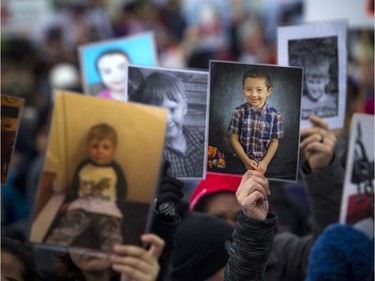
(102, 131)
(111, 52)
(259, 74)
(159, 85)
(23, 254)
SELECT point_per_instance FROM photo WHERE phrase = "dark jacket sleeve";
(324, 191)
(165, 230)
(289, 256)
(251, 247)
(122, 186)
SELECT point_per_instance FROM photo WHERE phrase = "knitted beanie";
(214, 183)
(342, 253)
(201, 247)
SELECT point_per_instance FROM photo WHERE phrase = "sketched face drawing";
(111, 68)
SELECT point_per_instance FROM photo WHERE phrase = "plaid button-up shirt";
(190, 163)
(256, 128)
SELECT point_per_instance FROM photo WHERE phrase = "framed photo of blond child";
(358, 192)
(254, 119)
(11, 113)
(184, 94)
(103, 63)
(321, 49)
(93, 192)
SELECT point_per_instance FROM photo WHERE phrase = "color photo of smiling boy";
(256, 127)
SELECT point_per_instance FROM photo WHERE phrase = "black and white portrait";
(320, 49)
(184, 94)
(319, 59)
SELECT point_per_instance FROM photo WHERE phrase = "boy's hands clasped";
(252, 195)
(253, 165)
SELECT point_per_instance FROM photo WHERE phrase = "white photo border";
(118, 43)
(366, 123)
(315, 31)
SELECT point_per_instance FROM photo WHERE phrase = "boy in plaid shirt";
(255, 126)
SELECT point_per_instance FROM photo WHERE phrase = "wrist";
(322, 167)
(165, 211)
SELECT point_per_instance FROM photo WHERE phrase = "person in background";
(201, 248)
(341, 252)
(17, 262)
(215, 195)
(204, 242)
(322, 174)
(247, 261)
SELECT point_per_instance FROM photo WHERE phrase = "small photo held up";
(254, 119)
(319, 48)
(93, 190)
(11, 114)
(357, 205)
(184, 94)
(103, 63)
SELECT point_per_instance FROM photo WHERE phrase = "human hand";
(318, 144)
(262, 167)
(136, 263)
(251, 165)
(252, 195)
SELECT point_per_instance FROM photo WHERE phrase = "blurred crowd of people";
(188, 34)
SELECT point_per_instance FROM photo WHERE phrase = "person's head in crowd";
(17, 262)
(215, 195)
(201, 248)
(317, 77)
(167, 91)
(111, 65)
(341, 253)
(65, 76)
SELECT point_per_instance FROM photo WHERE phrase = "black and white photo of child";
(318, 57)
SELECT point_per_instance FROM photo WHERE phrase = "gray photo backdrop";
(225, 83)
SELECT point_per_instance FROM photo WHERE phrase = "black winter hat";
(201, 247)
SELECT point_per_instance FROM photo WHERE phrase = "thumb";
(156, 244)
